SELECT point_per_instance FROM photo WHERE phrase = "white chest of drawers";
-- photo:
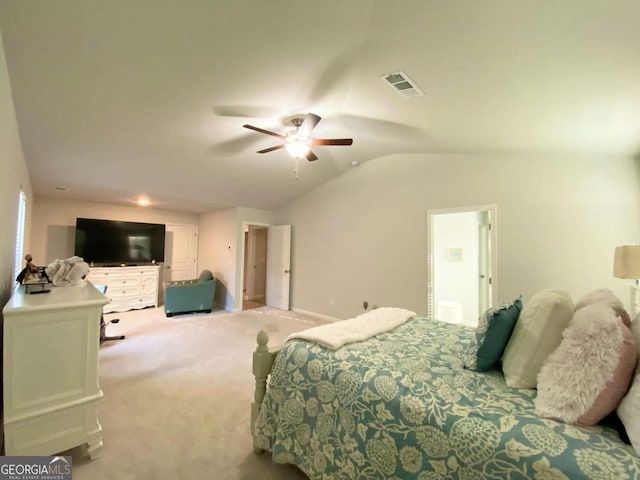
(51, 389)
(128, 288)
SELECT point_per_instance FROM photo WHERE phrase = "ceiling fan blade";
(262, 130)
(308, 124)
(311, 156)
(332, 141)
(271, 149)
(236, 144)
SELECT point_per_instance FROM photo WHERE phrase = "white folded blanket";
(362, 327)
(66, 272)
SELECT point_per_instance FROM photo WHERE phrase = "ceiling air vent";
(402, 84)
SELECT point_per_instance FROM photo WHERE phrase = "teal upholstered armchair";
(187, 296)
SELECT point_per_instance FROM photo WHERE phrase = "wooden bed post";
(263, 358)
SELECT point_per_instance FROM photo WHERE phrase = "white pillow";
(537, 333)
(585, 378)
(629, 409)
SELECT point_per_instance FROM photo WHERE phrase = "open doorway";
(462, 263)
(255, 266)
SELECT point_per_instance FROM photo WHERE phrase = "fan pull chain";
(296, 168)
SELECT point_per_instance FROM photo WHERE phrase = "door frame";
(250, 274)
(246, 224)
(493, 249)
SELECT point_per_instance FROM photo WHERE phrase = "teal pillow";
(492, 334)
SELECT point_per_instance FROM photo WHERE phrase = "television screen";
(107, 242)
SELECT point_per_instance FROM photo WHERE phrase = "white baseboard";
(219, 306)
(319, 316)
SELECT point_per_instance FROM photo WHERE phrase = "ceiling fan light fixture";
(297, 146)
(297, 140)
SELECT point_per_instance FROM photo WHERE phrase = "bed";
(402, 405)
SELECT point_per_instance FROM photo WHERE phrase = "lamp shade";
(626, 262)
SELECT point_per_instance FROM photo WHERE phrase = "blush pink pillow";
(606, 296)
(585, 378)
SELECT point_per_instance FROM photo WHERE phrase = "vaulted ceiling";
(117, 99)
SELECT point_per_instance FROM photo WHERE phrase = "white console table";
(51, 388)
(128, 288)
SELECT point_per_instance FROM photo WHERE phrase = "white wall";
(217, 245)
(363, 235)
(221, 249)
(254, 216)
(14, 176)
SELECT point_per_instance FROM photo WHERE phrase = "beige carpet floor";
(178, 393)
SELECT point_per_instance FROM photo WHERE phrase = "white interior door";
(484, 266)
(278, 266)
(260, 272)
(181, 247)
(251, 264)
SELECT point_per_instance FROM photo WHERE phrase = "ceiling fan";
(298, 142)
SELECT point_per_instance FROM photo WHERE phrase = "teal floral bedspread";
(401, 406)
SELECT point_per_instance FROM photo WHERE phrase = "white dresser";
(128, 287)
(50, 367)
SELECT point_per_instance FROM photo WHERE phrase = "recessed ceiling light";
(143, 202)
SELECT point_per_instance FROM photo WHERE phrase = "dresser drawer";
(124, 290)
(123, 282)
(142, 272)
(128, 287)
(115, 305)
(104, 277)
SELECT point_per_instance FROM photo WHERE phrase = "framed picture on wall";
(454, 254)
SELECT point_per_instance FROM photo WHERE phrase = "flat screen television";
(110, 242)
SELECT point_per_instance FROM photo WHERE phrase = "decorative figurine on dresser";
(33, 277)
(50, 367)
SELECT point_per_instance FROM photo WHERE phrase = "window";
(22, 215)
